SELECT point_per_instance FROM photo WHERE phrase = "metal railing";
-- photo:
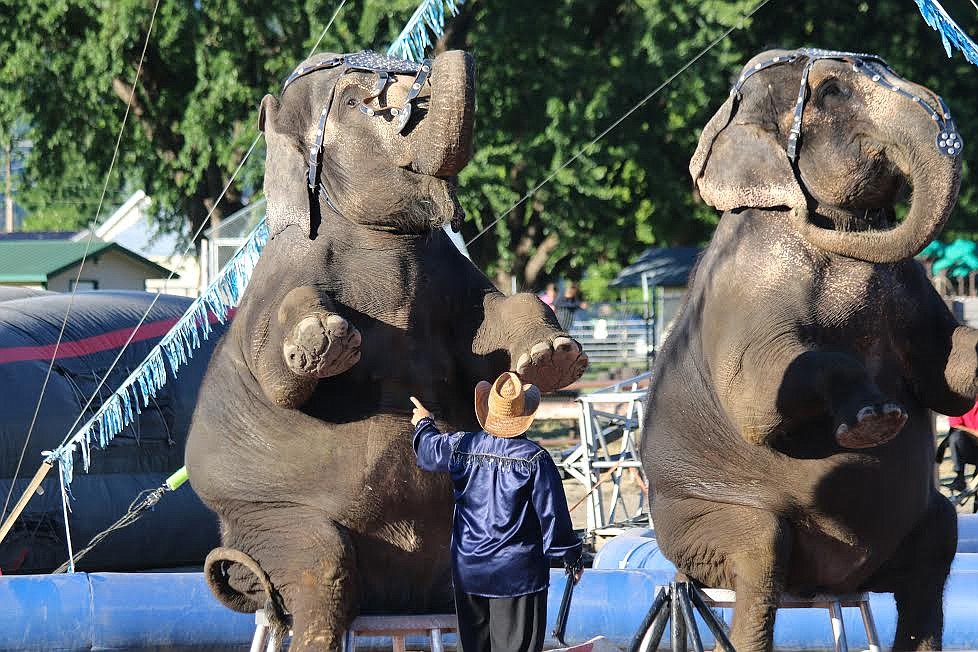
(610, 424)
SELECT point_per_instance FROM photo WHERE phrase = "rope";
(137, 509)
(64, 510)
(191, 243)
(617, 122)
(88, 244)
(156, 297)
(312, 50)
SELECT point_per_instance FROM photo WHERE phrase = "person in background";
(962, 439)
(510, 516)
(567, 306)
(549, 295)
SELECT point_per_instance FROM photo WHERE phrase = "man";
(510, 516)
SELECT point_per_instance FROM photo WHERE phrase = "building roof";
(34, 261)
(37, 235)
(664, 266)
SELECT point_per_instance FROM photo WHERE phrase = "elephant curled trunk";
(934, 178)
(444, 141)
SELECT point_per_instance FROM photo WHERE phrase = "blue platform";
(173, 611)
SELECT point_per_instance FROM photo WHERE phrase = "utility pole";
(8, 194)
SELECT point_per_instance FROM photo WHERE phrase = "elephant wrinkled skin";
(789, 438)
(301, 441)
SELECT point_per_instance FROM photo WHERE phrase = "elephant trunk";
(445, 140)
(934, 178)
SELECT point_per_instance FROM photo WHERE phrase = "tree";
(67, 68)
(553, 74)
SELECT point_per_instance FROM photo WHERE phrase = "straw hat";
(506, 408)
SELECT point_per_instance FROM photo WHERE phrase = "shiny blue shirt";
(510, 510)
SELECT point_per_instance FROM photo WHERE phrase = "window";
(82, 285)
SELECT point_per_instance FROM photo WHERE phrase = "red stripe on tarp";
(96, 343)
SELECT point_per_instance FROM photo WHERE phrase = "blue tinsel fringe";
(177, 346)
(414, 39)
(951, 33)
(173, 350)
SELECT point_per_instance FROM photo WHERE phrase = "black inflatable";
(180, 530)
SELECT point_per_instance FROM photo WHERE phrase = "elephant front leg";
(308, 341)
(916, 575)
(527, 330)
(772, 388)
(323, 586)
(733, 547)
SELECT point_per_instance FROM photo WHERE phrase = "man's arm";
(434, 449)
(550, 503)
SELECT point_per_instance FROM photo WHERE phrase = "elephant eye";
(351, 102)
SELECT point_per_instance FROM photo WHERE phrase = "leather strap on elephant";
(217, 569)
(948, 140)
(365, 61)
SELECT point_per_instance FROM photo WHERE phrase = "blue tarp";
(180, 530)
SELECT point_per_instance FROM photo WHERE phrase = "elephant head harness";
(948, 140)
(365, 61)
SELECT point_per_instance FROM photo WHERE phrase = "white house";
(132, 227)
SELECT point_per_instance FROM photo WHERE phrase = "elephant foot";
(322, 345)
(875, 425)
(552, 364)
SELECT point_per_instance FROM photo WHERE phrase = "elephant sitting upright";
(301, 441)
(789, 438)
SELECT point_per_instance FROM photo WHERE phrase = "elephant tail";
(223, 563)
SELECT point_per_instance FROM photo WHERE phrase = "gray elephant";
(301, 441)
(789, 439)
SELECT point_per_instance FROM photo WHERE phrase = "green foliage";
(66, 69)
(553, 74)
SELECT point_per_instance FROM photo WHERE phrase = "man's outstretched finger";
(417, 403)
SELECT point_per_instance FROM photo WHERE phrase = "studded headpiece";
(948, 139)
(366, 61)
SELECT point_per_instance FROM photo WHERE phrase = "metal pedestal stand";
(676, 603)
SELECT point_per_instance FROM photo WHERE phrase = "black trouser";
(964, 450)
(501, 624)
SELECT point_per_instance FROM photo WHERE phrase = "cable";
(156, 297)
(88, 244)
(312, 51)
(632, 110)
(193, 239)
(137, 509)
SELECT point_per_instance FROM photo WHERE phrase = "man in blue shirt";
(510, 516)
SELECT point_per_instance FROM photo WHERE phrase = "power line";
(617, 122)
(88, 244)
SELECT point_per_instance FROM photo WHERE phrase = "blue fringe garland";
(177, 346)
(173, 350)
(951, 33)
(414, 39)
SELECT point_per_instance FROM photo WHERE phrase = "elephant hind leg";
(916, 575)
(227, 568)
(734, 547)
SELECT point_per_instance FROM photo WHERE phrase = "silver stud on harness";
(948, 140)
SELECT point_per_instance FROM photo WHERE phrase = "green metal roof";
(35, 261)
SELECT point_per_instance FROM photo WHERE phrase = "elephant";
(301, 439)
(789, 438)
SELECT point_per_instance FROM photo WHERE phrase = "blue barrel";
(142, 611)
(968, 533)
(807, 629)
(129, 611)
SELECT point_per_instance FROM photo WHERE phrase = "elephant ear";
(286, 190)
(742, 165)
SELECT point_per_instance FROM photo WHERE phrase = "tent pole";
(22, 503)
